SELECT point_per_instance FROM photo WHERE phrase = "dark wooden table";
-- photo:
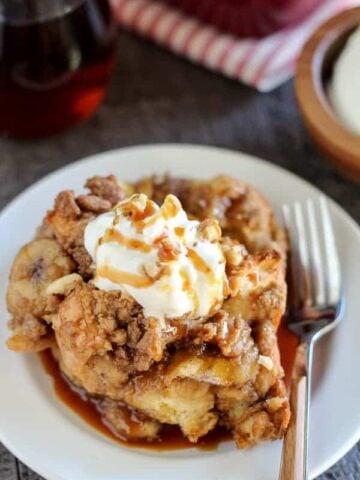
(155, 97)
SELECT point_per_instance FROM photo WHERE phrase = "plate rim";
(190, 146)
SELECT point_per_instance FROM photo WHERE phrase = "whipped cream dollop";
(344, 88)
(169, 264)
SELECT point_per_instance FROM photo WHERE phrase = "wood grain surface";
(156, 97)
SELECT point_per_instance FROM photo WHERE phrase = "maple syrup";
(54, 70)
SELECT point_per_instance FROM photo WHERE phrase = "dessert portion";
(162, 299)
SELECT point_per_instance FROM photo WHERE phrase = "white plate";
(52, 440)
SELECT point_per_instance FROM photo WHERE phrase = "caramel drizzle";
(140, 220)
(187, 288)
(139, 225)
(149, 210)
(179, 231)
(201, 265)
(112, 235)
(168, 210)
(125, 278)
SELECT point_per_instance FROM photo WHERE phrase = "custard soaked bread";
(163, 297)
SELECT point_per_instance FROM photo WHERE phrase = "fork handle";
(295, 447)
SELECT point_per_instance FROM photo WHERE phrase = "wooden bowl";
(314, 69)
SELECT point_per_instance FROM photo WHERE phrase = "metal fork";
(314, 308)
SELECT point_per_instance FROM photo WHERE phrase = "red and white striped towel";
(262, 63)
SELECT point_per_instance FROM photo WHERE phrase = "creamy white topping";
(169, 264)
(344, 89)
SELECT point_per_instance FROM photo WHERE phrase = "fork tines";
(315, 268)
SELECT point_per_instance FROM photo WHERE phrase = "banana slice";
(37, 264)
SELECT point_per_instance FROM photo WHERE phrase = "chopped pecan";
(107, 188)
(66, 205)
(93, 203)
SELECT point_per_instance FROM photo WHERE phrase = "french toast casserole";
(161, 297)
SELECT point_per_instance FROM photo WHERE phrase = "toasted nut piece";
(135, 205)
(138, 201)
(168, 250)
(266, 362)
(210, 230)
(64, 285)
(235, 255)
(171, 207)
(107, 188)
(153, 270)
(92, 203)
(66, 204)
